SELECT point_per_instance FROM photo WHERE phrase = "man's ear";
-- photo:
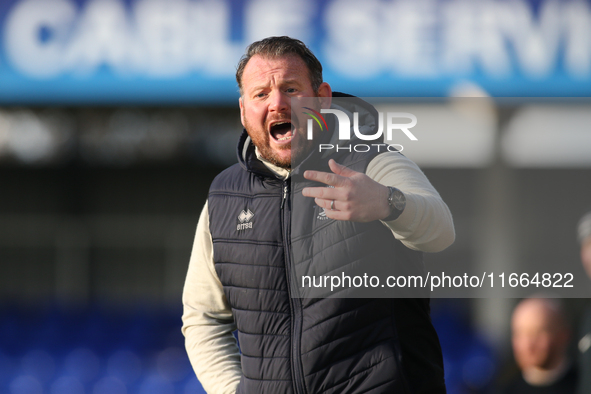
(241, 112)
(325, 94)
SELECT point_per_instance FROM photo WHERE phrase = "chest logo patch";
(245, 219)
(322, 215)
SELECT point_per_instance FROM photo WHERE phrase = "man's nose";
(280, 102)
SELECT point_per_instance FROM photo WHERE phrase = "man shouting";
(244, 255)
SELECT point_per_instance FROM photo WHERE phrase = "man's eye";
(290, 90)
(260, 95)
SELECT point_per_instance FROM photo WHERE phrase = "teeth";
(284, 138)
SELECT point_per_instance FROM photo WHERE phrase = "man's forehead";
(287, 66)
(534, 313)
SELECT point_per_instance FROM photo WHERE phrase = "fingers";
(336, 179)
(339, 201)
(326, 193)
(324, 177)
(334, 209)
(340, 169)
(331, 205)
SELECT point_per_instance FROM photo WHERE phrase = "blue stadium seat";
(66, 385)
(25, 384)
(155, 384)
(125, 365)
(109, 385)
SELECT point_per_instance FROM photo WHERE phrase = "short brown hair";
(281, 46)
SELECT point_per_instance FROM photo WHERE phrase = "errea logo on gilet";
(245, 218)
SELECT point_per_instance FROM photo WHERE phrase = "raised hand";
(354, 196)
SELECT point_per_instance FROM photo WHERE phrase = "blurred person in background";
(584, 338)
(540, 338)
(237, 276)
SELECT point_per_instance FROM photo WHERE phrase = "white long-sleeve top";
(425, 224)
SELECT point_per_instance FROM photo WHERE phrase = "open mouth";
(281, 131)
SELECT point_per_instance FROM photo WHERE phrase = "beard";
(281, 156)
(261, 139)
(285, 155)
